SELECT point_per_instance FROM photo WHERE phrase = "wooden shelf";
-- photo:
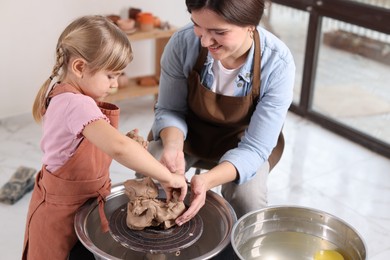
(153, 34)
(133, 90)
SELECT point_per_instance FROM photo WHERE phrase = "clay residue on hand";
(145, 210)
(134, 134)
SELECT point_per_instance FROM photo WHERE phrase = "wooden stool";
(203, 165)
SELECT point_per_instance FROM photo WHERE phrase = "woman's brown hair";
(238, 12)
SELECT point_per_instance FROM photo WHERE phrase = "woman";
(225, 89)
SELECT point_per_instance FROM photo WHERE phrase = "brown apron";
(58, 195)
(216, 122)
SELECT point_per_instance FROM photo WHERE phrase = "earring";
(251, 34)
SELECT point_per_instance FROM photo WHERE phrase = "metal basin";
(217, 215)
(294, 233)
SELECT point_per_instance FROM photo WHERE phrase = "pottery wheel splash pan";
(154, 239)
(217, 216)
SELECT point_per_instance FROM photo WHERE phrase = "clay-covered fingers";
(134, 134)
(178, 184)
(198, 200)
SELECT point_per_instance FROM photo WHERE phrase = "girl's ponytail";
(39, 106)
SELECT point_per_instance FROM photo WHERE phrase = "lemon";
(328, 255)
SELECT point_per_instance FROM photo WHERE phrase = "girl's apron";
(216, 122)
(57, 196)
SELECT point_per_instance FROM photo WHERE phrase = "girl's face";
(226, 42)
(100, 84)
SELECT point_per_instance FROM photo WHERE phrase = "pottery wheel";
(154, 239)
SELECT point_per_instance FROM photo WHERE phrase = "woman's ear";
(78, 67)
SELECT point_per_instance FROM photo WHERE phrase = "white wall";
(29, 31)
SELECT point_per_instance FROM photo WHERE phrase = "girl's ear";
(78, 67)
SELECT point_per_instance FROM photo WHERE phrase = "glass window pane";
(290, 25)
(352, 78)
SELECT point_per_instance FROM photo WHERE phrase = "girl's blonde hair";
(93, 38)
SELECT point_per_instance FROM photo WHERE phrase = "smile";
(213, 49)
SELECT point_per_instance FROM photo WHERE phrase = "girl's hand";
(198, 199)
(177, 183)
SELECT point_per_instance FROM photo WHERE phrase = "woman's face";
(226, 42)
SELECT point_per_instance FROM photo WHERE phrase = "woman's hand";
(222, 173)
(198, 199)
(173, 159)
(173, 156)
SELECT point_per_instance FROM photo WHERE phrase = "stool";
(205, 165)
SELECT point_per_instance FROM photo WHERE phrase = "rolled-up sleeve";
(177, 61)
(259, 139)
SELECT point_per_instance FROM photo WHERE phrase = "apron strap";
(256, 67)
(277, 152)
(201, 59)
(103, 218)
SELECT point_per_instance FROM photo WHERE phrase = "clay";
(114, 18)
(126, 25)
(134, 134)
(133, 12)
(145, 210)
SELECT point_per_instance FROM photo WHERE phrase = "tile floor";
(319, 169)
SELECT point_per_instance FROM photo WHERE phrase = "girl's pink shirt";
(63, 123)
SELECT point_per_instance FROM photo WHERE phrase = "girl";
(80, 137)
